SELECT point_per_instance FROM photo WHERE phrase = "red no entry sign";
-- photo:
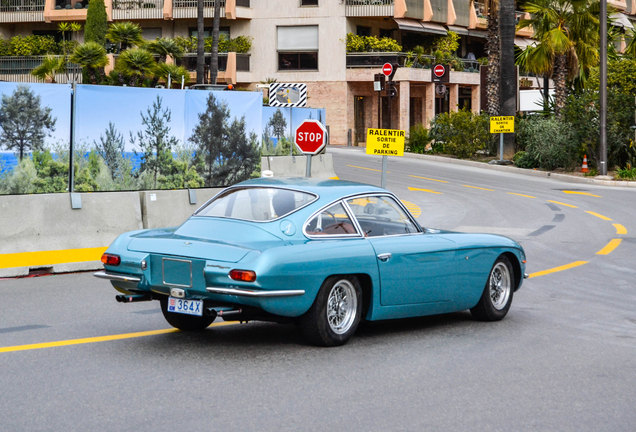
(311, 137)
(439, 71)
(387, 69)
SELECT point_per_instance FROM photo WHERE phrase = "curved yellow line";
(620, 229)
(613, 244)
(518, 194)
(557, 269)
(563, 204)
(598, 215)
(424, 190)
(582, 193)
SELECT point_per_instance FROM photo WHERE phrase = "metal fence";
(368, 8)
(188, 8)
(21, 10)
(18, 69)
(137, 9)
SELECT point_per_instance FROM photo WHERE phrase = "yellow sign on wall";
(385, 142)
(502, 124)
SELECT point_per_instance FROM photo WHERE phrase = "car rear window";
(256, 204)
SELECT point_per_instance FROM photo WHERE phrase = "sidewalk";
(508, 168)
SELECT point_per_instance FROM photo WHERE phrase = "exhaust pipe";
(220, 311)
(131, 298)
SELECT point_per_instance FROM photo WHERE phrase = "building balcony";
(229, 64)
(188, 8)
(369, 8)
(137, 9)
(65, 10)
(14, 11)
(18, 69)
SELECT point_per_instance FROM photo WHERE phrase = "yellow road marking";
(613, 244)
(527, 196)
(415, 210)
(582, 193)
(620, 229)
(598, 215)
(370, 169)
(426, 178)
(43, 258)
(557, 269)
(97, 339)
(475, 187)
(424, 190)
(563, 204)
(334, 178)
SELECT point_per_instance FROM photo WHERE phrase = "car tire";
(336, 312)
(184, 322)
(496, 299)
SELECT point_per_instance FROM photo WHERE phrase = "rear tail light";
(243, 275)
(110, 259)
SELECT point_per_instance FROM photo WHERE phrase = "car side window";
(332, 221)
(381, 216)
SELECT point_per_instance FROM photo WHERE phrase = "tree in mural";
(111, 148)
(155, 141)
(228, 154)
(24, 122)
(278, 124)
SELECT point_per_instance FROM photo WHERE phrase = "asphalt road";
(564, 359)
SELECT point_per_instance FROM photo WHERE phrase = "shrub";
(548, 143)
(462, 132)
(418, 139)
(357, 43)
(96, 22)
(32, 45)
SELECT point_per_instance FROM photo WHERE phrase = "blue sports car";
(325, 254)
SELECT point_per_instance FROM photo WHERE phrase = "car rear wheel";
(184, 322)
(497, 296)
(335, 314)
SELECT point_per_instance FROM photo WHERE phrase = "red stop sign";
(311, 137)
(439, 71)
(387, 69)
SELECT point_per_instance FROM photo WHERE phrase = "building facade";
(304, 41)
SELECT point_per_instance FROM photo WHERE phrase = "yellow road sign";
(385, 142)
(502, 124)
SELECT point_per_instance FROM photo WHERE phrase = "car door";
(414, 267)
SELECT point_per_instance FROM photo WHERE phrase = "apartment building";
(304, 41)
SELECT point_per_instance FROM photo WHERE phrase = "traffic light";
(391, 89)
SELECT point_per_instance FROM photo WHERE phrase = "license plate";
(188, 307)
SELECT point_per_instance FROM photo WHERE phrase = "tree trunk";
(492, 80)
(508, 69)
(559, 76)
(200, 43)
(214, 61)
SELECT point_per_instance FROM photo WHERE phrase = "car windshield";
(256, 204)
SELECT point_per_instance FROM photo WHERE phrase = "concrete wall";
(44, 232)
(296, 166)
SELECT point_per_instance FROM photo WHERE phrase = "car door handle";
(384, 257)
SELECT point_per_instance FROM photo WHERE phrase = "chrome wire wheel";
(342, 306)
(500, 285)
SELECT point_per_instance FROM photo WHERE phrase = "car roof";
(326, 189)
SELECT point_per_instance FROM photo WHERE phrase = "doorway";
(359, 125)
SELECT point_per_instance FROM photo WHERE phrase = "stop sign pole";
(311, 138)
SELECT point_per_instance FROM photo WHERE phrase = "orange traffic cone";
(584, 168)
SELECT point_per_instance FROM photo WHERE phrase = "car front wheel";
(182, 321)
(497, 296)
(336, 312)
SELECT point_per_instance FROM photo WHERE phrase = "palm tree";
(508, 95)
(125, 34)
(214, 60)
(493, 84)
(136, 63)
(176, 73)
(92, 57)
(164, 47)
(567, 32)
(200, 43)
(51, 65)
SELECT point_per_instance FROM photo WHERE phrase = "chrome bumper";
(116, 277)
(251, 293)
(526, 275)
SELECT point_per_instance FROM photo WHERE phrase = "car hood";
(205, 238)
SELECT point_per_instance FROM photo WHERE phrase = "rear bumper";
(117, 277)
(254, 294)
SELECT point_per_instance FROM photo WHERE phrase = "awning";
(523, 43)
(458, 30)
(478, 33)
(413, 25)
(621, 20)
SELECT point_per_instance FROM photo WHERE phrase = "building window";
(151, 34)
(207, 32)
(297, 48)
(309, 2)
(363, 31)
(386, 33)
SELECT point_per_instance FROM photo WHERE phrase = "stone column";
(429, 104)
(453, 96)
(475, 99)
(404, 106)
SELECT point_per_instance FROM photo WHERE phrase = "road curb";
(522, 171)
